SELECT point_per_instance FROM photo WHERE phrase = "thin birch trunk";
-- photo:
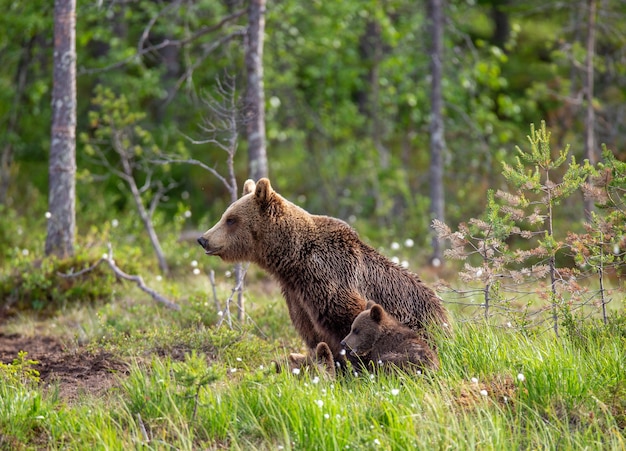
(437, 140)
(62, 164)
(255, 96)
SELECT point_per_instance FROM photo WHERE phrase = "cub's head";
(365, 331)
(236, 236)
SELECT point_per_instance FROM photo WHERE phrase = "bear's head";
(235, 237)
(365, 331)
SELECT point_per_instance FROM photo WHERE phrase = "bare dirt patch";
(76, 371)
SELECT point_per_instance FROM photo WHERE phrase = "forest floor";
(74, 371)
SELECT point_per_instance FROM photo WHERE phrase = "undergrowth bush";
(45, 285)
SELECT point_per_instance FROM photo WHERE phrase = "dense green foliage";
(346, 90)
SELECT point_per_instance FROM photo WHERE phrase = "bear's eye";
(231, 221)
(356, 331)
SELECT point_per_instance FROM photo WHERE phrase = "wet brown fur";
(325, 271)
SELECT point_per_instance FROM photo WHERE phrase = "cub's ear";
(369, 305)
(263, 191)
(248, 187)
(377, 313)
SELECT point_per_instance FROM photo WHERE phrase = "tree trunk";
(437, 140)
(368, 98)
(62, 164)
(590, 120)
(501, 24)
(6, 159)
(255, 96)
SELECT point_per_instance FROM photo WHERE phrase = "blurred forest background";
(347, 98)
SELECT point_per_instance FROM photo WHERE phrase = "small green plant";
(540, 182)
(193, 375)
(20, 371)
(525, 217)
(125, 149)
(602, 248)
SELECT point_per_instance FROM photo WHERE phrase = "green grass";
(195, 386)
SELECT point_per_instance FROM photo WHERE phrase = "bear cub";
(377, 338)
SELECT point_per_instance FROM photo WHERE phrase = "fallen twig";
(108, 259)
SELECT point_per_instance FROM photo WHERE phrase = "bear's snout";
(203, 242)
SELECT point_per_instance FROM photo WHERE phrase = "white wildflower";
(114, 223)
(296, 371)
(342, 352)
(475, 380)
(435, 262)
(315, 380)
(233, 370)
(404, 264)
(319, 402)
(396, 260)
(376, 442)
(409, 242)
(484, 392)
(395, 246)
(194, 263)
(187, 214)
(327, 416)
(196, 271)
(48, 215)
(159, 278)
(228, 273)
(25, 252)
(521, 377)
(395, 391)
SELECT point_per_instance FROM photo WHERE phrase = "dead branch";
(108, 259)
(235, 290)
(194, 162)
(205, 54)
(141, 50)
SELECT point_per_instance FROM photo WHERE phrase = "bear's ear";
(376, 313)
(248, 187)
(369, 304)
(263, 191)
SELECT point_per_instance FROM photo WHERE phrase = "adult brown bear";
(327, 274)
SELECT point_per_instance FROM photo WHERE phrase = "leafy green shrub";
(44, 285)
(21, 371)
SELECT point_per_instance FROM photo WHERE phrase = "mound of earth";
(76, 371)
